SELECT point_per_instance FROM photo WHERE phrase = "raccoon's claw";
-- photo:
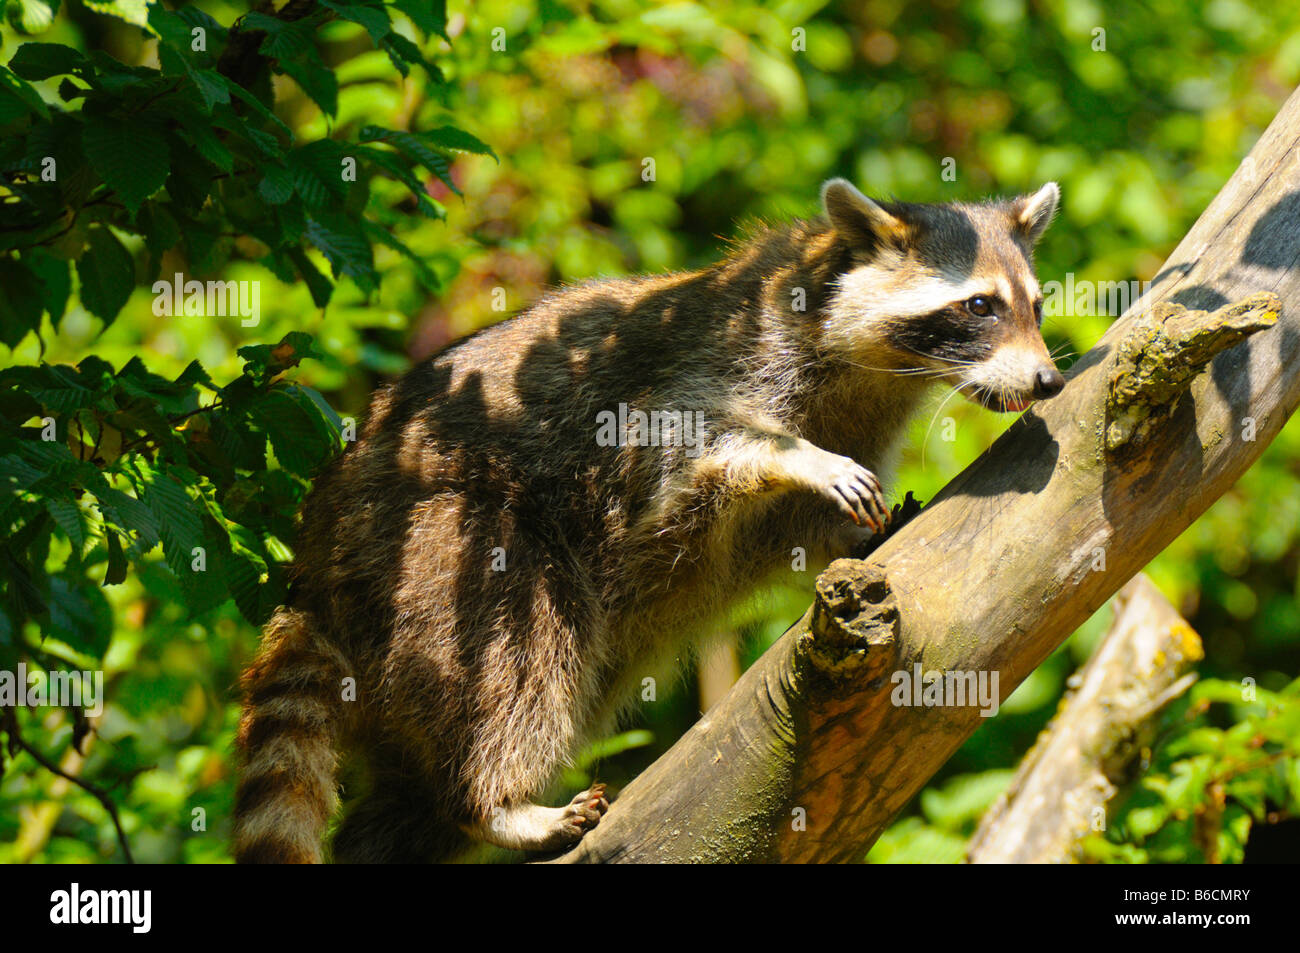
(856, 491)
(587, 808)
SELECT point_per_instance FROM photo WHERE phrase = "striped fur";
(800, 351)
(286, 791)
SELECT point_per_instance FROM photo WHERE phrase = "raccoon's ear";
(1033, 213)
(857, 218)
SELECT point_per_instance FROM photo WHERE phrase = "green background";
(1140, 134)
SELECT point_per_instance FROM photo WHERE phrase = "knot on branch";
(853, 632)
(1164, 351)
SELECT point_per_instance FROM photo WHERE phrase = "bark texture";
(1059, 793)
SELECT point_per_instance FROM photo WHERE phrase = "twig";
(10, 723)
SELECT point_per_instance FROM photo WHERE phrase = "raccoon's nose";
(1047, 382)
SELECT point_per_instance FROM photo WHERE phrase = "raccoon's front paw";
(856, 491)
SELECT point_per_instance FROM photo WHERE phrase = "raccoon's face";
(946, 292)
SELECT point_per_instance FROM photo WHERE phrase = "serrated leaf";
(20, 301)
(458, 140)
(177, 517)
(55, 277)
(116, 572)
(402, 51)
(396, 166)
(276, 185)
(207, 144)
(30, 17)
(344, 246)
(67, 514)
(161, 230)
(414, 148)
(429, 15)
(169, 28)
(422, 270)
(131, 157)
(317, 81)
(14, 88)
(37, 61)
(208, 82)
(298, 433)
(374, 19)
(135, 12)
(320, 287)
(107, 274)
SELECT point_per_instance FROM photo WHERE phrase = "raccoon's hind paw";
(586, 809)
(856, 491)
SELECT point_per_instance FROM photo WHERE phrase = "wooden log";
(1059, 792)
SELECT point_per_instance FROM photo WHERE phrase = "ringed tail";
(287, 789)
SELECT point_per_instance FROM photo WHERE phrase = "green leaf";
(429, 15)
(37, 61)
(161, 230)
(55, 277)
(253, 102)
(458, 140)
(300, 435)
(345, 246)
(116, 572)
(29, 17)
(264, 361)
(18, 97)
(169, 28)
(396, 166)
(80, 616)
(107, 274)
(67, 514)
(126, 514)
(319, 286)
(317, 81)
(132, 158)
(210, 86)
(20, 302)
(177, 516)
(402, 51)
(414, 148)
(423, 271)
(276, 185)
(135, 12)
(207, 144)
(374, 19)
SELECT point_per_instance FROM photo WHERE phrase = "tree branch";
(1059, 793)
(10, 725)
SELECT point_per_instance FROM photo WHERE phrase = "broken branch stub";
(853, 630)
(1164, 351)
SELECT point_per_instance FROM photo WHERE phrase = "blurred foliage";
(1206, 785)
(745, 107)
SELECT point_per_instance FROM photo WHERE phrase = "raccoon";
(495, 577)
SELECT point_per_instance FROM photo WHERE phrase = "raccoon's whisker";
(902, 371)
(956, 389)
(955, 362)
